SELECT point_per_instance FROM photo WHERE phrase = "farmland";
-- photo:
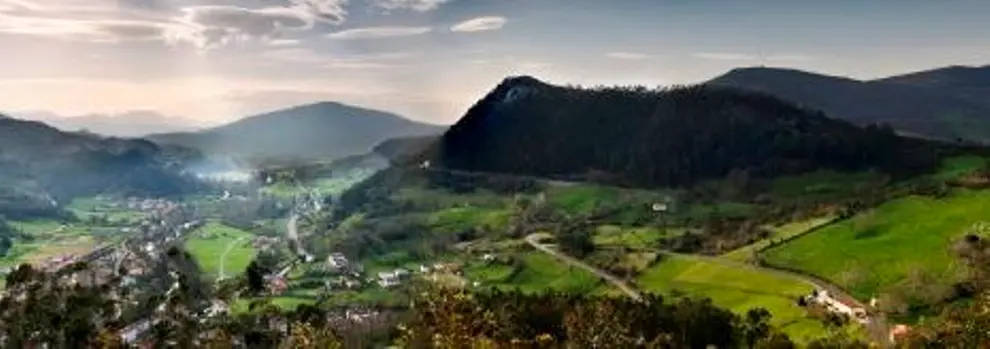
(881, 247)
(738, 289)
(212, 242)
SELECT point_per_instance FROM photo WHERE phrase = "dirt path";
(223, 257)
(533, 240)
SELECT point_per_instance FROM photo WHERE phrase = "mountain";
(319, 131)
(970, 83)
(41, 166)
(662, 138)
(401, 148)
(911, 103)
(132, 124)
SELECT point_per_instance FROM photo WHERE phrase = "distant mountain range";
(669, 138)
(948, 103)
(319, 131)
(41, 167)
(134, 123)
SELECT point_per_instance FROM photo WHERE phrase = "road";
(223, 257)
(292, 232)
(877, 327)
(533, 240)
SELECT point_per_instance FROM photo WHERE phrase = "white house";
(834, 305)
(392, 278)
(387, 279)
(337, 261)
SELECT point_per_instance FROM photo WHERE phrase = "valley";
(754, 214)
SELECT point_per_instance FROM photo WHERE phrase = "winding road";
(534, 240)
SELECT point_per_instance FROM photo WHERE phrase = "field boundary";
(791, 238)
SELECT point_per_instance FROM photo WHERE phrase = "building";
(898, 332)
(834, 305)
(392, 278)
(276, 284)
(337, 261)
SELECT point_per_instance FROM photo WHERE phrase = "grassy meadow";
(737, 289)
(210, 243)
(880, 248)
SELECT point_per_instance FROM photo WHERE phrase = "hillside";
(970, 83)
(39, 163)
(317, 131)
(135, 123)
(932, 111)
(674, 137)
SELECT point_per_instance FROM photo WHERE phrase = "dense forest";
(663, 138)
(40, 161)
(930, 104)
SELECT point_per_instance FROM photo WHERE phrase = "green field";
(50, 238)
(90, 207)
(880, 248)
(735, 288)
(539, 272)
(958, 166)
(210, 243)
(611, 235)
(783, 232)
(458, 219)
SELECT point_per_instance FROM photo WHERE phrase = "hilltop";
(134, 123)
(945, 103)
(319, 131)
(40, 164)
(969, 83)
(662, 138)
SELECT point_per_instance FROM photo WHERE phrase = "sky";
(213, 61)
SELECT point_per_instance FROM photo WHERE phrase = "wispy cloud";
(324, 60)
(789, 58)
(284, 42)
(479, 24)
(634, 56)
(414, 5)
(379, 32)
(724, 56)
(125, 20)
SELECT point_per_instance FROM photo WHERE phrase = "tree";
(255, 277)
(576, 242)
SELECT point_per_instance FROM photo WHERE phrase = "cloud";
(211, 26)
(294, 55)
(724, 56)
(379, 32)
(202, 26)
(629, 55)
(789, 58)
(284, 42)
(316, 60)
(414, 5)
(479, 24)
(98, 31)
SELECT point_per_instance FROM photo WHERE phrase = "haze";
(211, 61)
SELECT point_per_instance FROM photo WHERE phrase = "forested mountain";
(672, 137)
(319, 131)
(397, 149)
(39, 164)
(970, 83)
(927, 104)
